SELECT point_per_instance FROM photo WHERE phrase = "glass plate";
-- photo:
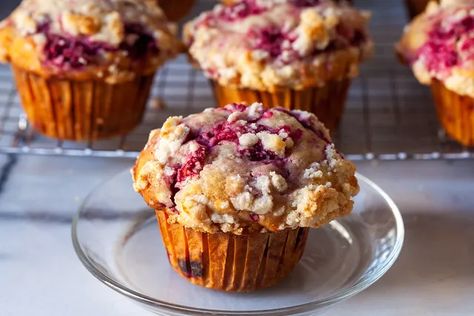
(117, 239)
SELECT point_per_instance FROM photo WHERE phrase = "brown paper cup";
(326, 102)
(176, 10)
(228, 262)
(416, 7)
(81, 110)
(456, 113)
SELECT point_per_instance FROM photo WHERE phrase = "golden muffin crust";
(243, 169)
(108, 40)
(269, 44)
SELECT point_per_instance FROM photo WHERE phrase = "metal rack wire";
(389, 116)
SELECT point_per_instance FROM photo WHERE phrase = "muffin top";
(439, 44)
(245, 169)
(111, 40)
(267, 45)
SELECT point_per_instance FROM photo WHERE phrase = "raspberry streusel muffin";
(235, 190)
(84, 68)
(176, 10)
(439, 46)
(298, 54)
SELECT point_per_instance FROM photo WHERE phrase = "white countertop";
(41, 275)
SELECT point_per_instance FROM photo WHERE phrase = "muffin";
(439, 47)
(176, 10)
(294, 54)
(84, 69)
(236, 189)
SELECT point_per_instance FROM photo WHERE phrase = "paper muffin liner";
(176, 10)
(456, 113)
(229, 262)
(327, 102)
(81, 110)
(415, 7)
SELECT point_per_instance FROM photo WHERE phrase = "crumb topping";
(439, 44)
(110, 39)
(232, 169)
(269, 44)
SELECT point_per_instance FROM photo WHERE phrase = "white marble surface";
(40, 274)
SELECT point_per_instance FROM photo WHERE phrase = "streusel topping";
(439, 44)
(240, 169)
(269, 44)
(111, 39)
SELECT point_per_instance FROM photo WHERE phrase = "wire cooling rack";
(388, 116)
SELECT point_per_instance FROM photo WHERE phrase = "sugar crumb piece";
(262, 183)
(242, 201)
(222, 218)
(234, 116)
(172, 135)
(248, 140)
(255, 110)
(278, 181)
(331, 156)
(313, 172)
(272, 142)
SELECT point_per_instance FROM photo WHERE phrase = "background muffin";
(236, 188)
(294, 54)
(439, 47)
(84, 69)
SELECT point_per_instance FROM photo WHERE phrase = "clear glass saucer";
(116, 237)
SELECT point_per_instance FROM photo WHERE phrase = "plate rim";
(293, 310)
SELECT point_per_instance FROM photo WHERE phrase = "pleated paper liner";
(455, 112)
(229, 262)
(82, 110)
(327, 102)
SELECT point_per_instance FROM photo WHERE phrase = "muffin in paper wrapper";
(82, 110)
(229, 262)
(455, 112)
(327, 102)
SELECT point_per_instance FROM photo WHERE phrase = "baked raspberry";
(138, 43)
(271, 40)
(254, 217)
(193, 165)
(71, 52)
(267, 114)
(440, 53)
(442, 32)
(438, 56)
(219, 133)
(258, 153)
